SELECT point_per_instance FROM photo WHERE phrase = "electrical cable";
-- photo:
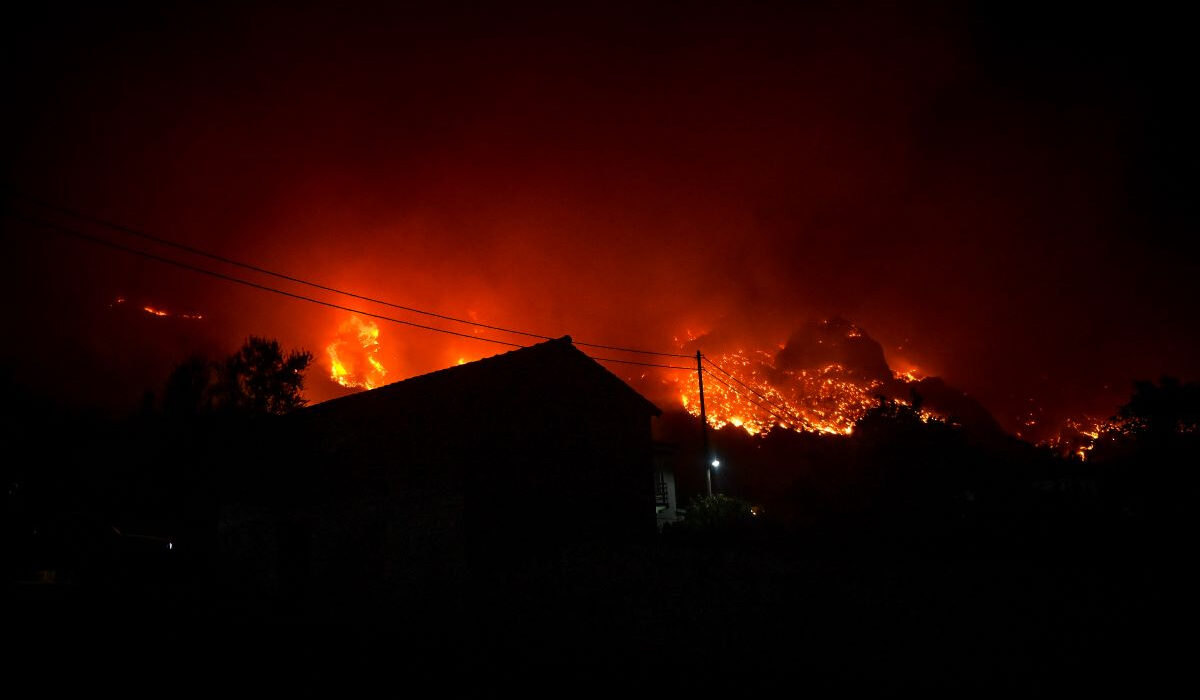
(298, 280)
(750, 388)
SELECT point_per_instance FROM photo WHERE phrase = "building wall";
(380, 554)
(561, 479)
(400, 497)
(668, 513)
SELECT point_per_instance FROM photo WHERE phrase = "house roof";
(557, 356)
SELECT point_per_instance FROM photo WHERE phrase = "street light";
(716, 463)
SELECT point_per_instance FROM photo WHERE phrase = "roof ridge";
(564, 341)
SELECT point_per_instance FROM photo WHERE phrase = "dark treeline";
(904, 485)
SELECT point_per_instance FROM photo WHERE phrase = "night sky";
(1001, 196)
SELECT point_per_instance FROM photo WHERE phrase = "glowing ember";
(824, 384)
(352, 355)
(1079, 436)
(823, 400)
(159, 312)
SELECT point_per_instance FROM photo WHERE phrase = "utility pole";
(704, 425)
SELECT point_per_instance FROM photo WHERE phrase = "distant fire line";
(159, 312)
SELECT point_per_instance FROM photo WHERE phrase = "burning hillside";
(1078, 436)
(824, 379)
(822, 399)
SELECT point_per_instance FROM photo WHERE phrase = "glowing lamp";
(716, 463)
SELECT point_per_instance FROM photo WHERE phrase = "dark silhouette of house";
(502, 460)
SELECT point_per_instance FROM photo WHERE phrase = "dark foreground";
(671, 616)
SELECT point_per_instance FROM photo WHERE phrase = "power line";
(229, 278)
(643, 364)
(748, 387)
(291, 278)
(238, 280)
(734, 378)
(621, 349)
(731, 388)
(735, 391)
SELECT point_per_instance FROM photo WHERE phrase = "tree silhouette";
(1171, 407)
(188, 388)
(1147, 460)
(257, 379)
(891, 415)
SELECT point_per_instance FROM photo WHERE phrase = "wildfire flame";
(352, 355)
(823, 400)
(1079, 436)
(161, 313)
(811, 391)
(831, 399)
